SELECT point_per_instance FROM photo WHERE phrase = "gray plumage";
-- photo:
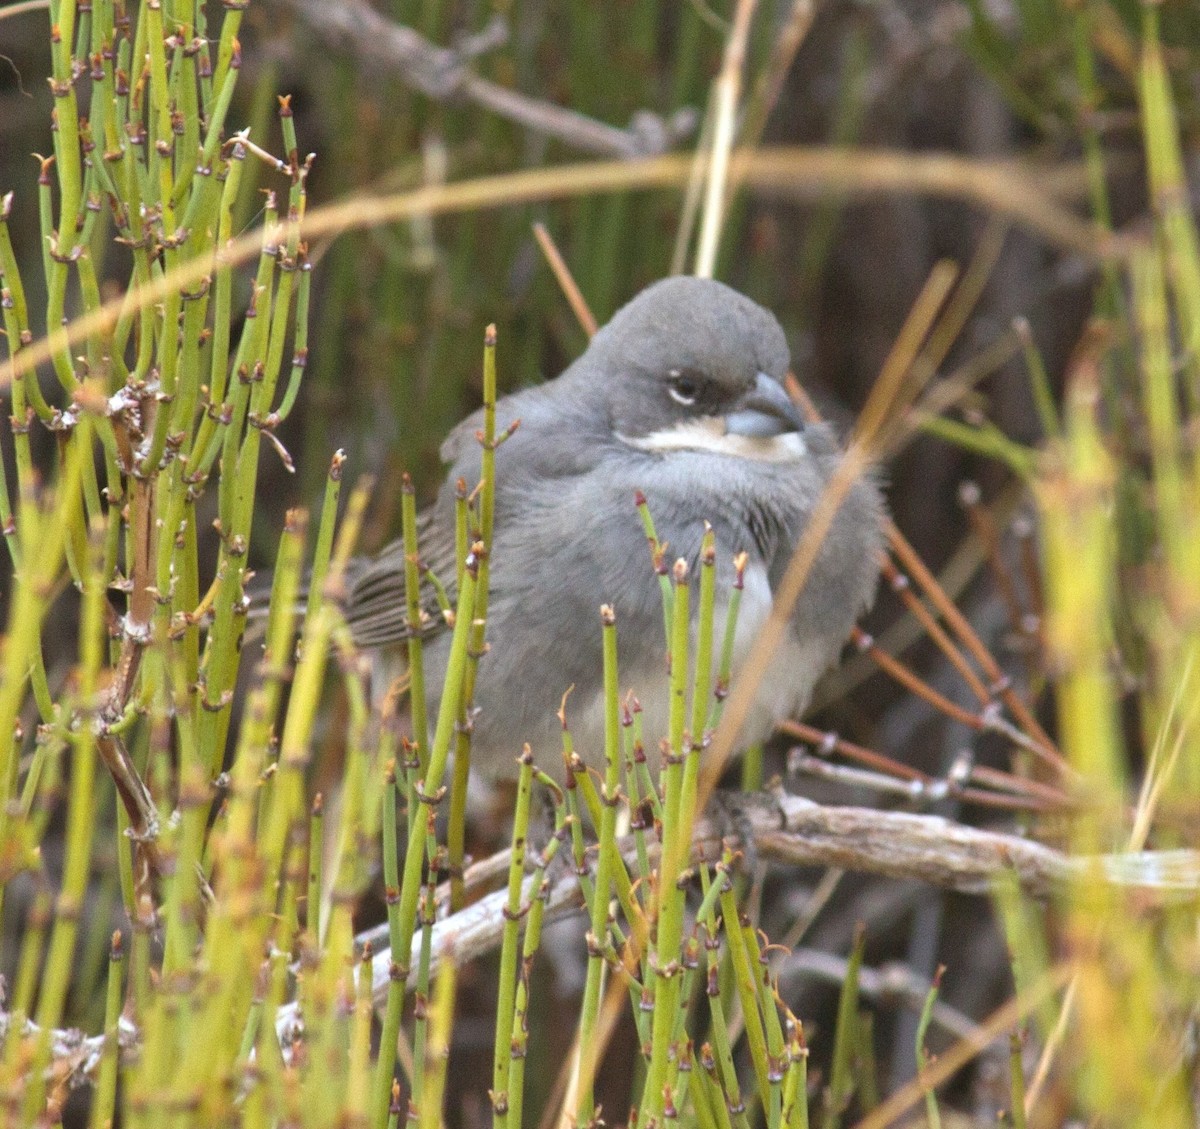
(680, 396)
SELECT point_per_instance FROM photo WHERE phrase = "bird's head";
(690, 364)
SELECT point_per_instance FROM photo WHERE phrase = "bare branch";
(795, 831)
(786, 830)
(442, 73)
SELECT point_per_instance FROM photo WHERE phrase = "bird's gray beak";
(764, 412)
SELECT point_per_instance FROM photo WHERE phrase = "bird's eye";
(684, 388)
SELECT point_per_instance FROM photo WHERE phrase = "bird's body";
(678, 398)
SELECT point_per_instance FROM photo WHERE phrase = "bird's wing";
(377, 607)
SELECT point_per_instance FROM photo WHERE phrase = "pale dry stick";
(819, 898)
(796, 831)
(726, 90)
(1158, 771)
(767, 88)
(914, 791)
(967, 1048)
(566, 281)
(1053, 1042)
(1013, 786)
(615, 996)
(961, 303)
(693, 191)
(788, 172)
(856, 461)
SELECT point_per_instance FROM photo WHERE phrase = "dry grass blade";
(954, 1059)
(786, 172)
(871, 431)
(565, 280)
(726, 91)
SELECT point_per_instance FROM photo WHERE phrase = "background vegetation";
(196, 836)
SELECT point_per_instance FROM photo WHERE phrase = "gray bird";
(680, 397)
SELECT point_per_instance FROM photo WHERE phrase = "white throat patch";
(708, 434)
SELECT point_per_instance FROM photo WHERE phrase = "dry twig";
(443, 73)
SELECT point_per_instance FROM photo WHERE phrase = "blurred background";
(399, 311)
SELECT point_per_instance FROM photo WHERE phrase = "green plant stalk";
(355, 1101)
(209, 432)
(235, 501)
(1173, 507)
(430, 1112)
(299, 336)
(462, 536)
(1087, 80)
(1025, 931)
(15, 311)
(1169, 191)
(325, 530)
(418, 702)
(182, 910)
(456, 834)
(313, 886)
(1039, 382)
(438, 755)
(707, 1103)
(161, 148)
(574, 773)
(263, 396)
(610, 798)
(239, 919)
(868, 1069)
(394, 1010)
(665, 968)
(286, 807)
(428, 915)
(253, 1022)
(841, 1071)
(767, 999)
(55, 264)
(932, 1116)
(646, 783)
(1016, 1076)
(81, 819)
(719, 1105)
(502, 1056)
(519, 1040)
(103, 1111)
(30, 593)
(1078, 550)
(702, 685)
(725, 672)
(986, 439)
(795, 1085)
(747, 989)
(33, 947)
(357, 829)
(631, 746)
(622, 883)
(657, 550)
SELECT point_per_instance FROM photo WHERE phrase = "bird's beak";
(764, 412)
